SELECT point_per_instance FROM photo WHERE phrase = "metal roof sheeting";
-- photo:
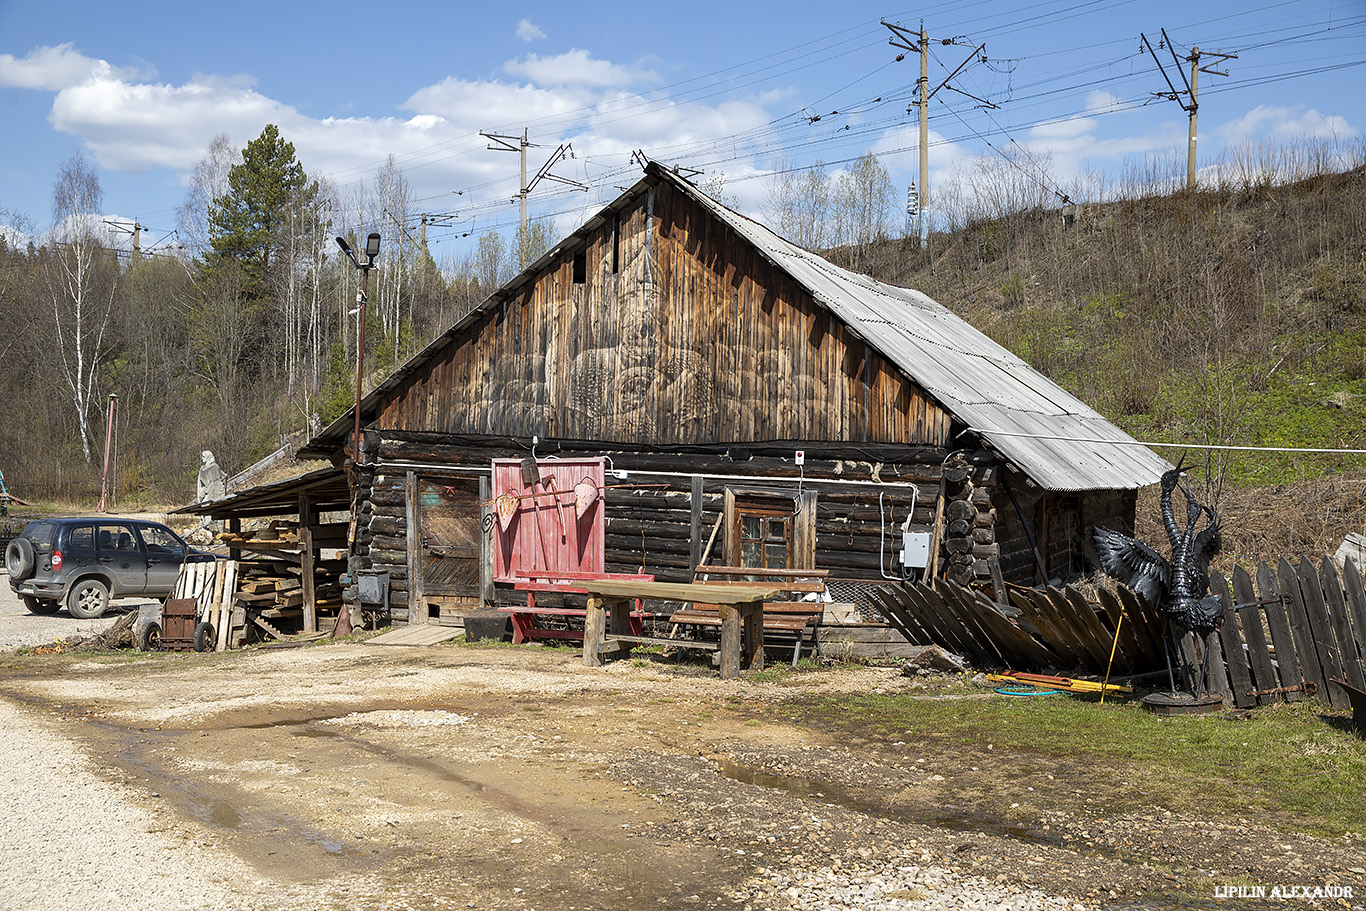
(1048, 433)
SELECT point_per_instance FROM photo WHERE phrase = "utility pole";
(1192, 89)
(564, 150)
(505, 144)
(135, 229)
(920, 44)
(922, 84)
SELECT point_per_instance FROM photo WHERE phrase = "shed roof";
(326, 488)
(1057, 440)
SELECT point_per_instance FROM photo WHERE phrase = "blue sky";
(141, 91)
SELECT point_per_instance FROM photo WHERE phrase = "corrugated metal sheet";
(1055, 438)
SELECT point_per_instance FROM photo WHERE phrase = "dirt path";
(356, 776)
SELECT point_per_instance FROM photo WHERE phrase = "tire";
(40, 606)
(149, 637)
(205, 638)
(88, 599)
(19, 559)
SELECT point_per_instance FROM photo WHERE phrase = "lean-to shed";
(733, 399)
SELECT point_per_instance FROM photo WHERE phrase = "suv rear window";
(81, 538)
(40, 534)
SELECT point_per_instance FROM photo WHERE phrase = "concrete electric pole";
(920, 44)
(1192, 89)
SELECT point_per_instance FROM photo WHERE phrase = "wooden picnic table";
(607, 629)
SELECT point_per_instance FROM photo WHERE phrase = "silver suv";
(84, 562)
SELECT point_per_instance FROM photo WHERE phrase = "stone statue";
(212, 481)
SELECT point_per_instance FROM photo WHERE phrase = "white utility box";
(915, 549)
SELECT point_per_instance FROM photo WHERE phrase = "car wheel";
(149, 638)
(87, 599)
(205, 639)
(40, 606)
(19, 559)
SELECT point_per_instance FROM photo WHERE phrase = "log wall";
(861, 505)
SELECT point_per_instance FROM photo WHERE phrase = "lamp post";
(108, 437)
(362, 299)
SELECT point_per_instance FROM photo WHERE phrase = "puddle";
(825, 792)
(213, 810)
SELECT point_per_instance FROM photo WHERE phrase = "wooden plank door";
(450, 536)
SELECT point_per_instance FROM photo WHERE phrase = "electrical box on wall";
(915, 549)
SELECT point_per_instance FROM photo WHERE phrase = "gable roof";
(1053, 437)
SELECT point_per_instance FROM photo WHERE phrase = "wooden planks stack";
(272, 591)
(279, 537)
(212, 584)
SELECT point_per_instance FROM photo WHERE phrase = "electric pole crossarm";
(1175, 95)
(505, 143)
(971, 57)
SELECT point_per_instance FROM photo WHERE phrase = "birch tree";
(208, 183)
(863, 201)
(81, 278)
(798, 204)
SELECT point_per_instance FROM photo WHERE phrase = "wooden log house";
(733, 399)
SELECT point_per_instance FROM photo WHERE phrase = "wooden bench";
(783, 618)
(524, 624)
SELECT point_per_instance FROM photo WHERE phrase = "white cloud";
(132, 125)
(1295, 122)
(54, 68)
(577, 68)
(136, 126)
(528, 31)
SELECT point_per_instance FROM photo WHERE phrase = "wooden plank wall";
(1052, 628)
(857, 528)
(694, 338)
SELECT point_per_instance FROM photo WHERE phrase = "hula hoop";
(1024, 689)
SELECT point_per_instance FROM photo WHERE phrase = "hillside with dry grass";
(1232, 317)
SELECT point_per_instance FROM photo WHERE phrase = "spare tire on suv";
(19, 559)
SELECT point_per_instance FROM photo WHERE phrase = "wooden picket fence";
(1302, 625)
(1292, 634)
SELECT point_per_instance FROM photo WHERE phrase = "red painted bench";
(524, 624)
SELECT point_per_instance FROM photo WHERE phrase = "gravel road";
(74, 840)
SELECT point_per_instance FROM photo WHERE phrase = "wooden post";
(731, 641)
(487, 519)
(594, 631)
(235, 527)
(619, 623)
(417, 610)
(936, 538)
(752, 635)
(695, 537)
(306, 563)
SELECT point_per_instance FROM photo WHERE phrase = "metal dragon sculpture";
(1178, 587)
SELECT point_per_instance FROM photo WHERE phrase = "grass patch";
(1288, 762)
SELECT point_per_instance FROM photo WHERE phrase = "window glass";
(81, 537)
(116, 537)
(40, 534)
(765, 536)
(160, 540)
